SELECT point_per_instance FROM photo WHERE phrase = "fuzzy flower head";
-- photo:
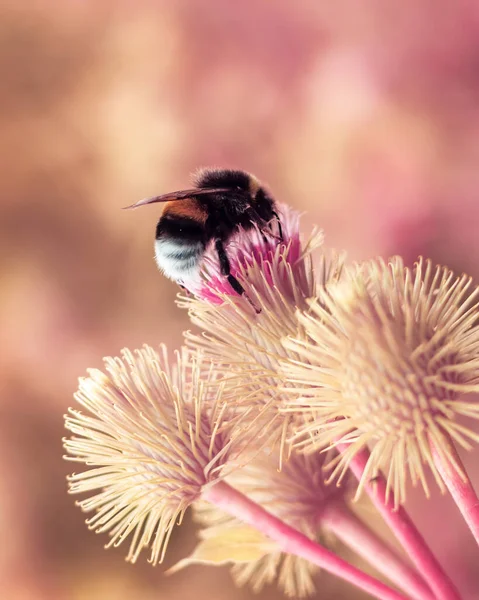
(297, 495)
(152, 436)
(385, 358)
(249, 249)
(278, 278)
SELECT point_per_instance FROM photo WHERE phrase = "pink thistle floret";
(246, 249)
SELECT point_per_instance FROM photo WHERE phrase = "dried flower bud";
(154, 436)
(297, 495)
(384, 360)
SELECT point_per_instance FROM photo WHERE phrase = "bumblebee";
(221, 202)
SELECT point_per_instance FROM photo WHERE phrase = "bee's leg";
(278, 221)
(271, 234)
(184, 289)
(263, 225)
(226, 271)
(226, 268)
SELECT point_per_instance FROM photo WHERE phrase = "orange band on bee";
(189, 208)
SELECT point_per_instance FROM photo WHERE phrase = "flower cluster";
(317, 365)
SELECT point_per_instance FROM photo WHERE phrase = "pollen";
(386, 358)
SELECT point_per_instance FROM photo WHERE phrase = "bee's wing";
(180, 195)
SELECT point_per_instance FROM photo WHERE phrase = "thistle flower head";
(153, 437)
(246, 251)
(278, 278)
(297, 495)
(384, 358)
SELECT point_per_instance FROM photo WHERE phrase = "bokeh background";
(365, 115)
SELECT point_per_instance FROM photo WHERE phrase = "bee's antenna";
(180, 195)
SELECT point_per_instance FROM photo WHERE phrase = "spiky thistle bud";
(385, 358)
(153, 436)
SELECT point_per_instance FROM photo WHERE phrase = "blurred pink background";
(365, 115)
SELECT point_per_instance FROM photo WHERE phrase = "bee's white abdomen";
(178, 260)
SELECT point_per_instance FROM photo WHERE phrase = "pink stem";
(291, 541)
(404, 530)
(461, 488)
(354, 533)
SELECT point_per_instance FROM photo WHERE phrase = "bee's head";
(234, 180)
